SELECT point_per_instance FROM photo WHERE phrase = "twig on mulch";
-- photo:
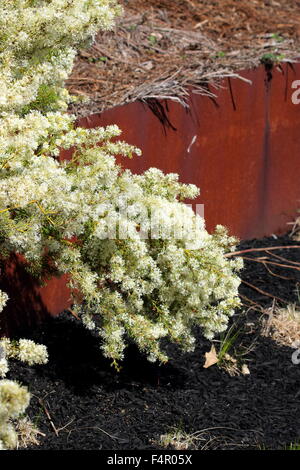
(73, 314)
(264, 261)
(251, 250)
(285, 278)
(281, 258)
(116, 438)
(263, 292)
(252, 305)
(65, 426)
(47, 413)
(268, 261)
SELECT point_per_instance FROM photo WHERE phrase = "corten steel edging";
(241, 149)
(29, 302)
(245, 158)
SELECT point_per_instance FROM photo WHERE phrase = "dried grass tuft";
(27, 433)
(283, 325)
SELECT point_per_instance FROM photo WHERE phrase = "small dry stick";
(73, 313)
(48, 415)
(277, 275)
(85, 79)
(254, 305)
(250, 250)
(96, 427)
(66, 425)
(281, 258)
(263, 292)
(256, 260)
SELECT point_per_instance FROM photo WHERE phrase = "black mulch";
(98, 408)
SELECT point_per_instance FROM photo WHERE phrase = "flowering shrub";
(24, 350)
(141, 264)
(14, 400)
(37, 46)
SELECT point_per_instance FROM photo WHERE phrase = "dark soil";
(94, 407)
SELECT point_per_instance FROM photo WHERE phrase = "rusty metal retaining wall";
(241, 149)
(246, 156)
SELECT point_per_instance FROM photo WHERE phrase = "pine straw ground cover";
(80, 402)
(161, 47)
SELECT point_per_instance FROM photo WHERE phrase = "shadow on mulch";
(77, 360)
(94, 407)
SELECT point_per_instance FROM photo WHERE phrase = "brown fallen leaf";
(211, 358)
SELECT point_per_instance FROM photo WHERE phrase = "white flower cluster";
(24, 350)
(141, 264)
(37, 45)
(14, 400)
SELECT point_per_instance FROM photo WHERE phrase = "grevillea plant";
(141, 264)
